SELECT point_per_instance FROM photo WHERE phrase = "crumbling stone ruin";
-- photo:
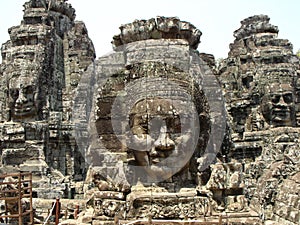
(154, 130)
(260, 84)
(41, 66)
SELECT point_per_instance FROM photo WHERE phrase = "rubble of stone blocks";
(63, 118)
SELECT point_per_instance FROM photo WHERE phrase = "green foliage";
(298, 53)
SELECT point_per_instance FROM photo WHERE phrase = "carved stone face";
(279, 105)
(156, 122)
(22, 94)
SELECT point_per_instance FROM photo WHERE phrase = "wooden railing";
(23, 189)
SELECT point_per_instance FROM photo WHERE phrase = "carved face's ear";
(266, 107)
(35, 97)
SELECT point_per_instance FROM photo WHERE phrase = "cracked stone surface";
(134, 134)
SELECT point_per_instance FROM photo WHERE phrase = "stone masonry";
(41, 66)
(154, 130)
(260, 84)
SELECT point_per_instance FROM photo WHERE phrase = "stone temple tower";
(156, 127)
(41, 66)
(260, 80)
(154, 131)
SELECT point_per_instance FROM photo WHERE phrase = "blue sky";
(217, 19)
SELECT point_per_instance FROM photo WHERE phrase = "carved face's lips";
(281, 114)
(158, 155)
(24, 110)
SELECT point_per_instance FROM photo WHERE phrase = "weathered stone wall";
(260, 84)
(134, 74)
(41, 65)
(146, 123)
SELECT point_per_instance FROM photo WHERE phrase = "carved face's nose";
(281, 102)
(21, 98)
(164, 142)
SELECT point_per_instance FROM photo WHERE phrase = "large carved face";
(157, 122)
(279, 104)
(22, 98)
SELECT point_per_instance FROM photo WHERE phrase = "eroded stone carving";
(260, 84)
(158, 28)
(253, 176)
(36, 132)
(156, 134)
(278, 105)
(156, 122)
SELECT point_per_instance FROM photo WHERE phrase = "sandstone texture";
(153, 131)
(41, 66)
(260, 81)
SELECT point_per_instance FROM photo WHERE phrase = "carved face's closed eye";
(286, 97)
(22, 101)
